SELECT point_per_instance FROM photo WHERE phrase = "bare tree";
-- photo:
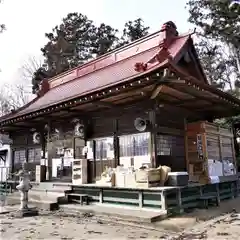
(19, 93)
(13, 96)
(29, 67)
(2, 26)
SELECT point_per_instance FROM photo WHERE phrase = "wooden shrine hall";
(130, 107)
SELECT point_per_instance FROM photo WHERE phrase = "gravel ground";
(59, 225)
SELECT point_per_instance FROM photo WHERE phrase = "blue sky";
(28, 20)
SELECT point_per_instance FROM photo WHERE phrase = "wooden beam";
(195, 93)
(169, 130)
(156, 91)
(144, 103)
(19, 126)
(170, 105)
(213, 107)
(73, 110)
(104, 104)
(183, 102)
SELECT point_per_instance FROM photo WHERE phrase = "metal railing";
(8, 180)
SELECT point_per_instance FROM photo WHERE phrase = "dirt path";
(60, 225)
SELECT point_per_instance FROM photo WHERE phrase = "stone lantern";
(24, 186)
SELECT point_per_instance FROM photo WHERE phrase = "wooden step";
(68, 192)
(81, 198)
(206, 199)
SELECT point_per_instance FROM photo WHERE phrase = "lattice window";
(103, 148)
(164, 145)
(213, 149)
(168, 145)
(134, 145)
(19, 156)
(227, 149)
(34, 155)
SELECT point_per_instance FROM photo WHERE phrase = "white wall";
(5, 165)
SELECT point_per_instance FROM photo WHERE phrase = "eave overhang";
(170, 86)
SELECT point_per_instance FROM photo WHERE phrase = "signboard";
(199, 146)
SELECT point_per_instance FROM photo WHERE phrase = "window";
(34, 155)
(168, 145)
(104, 148)
(134, 145)
(126, 145)
(213, 149)
(98, 150)
(79, 145)
(19, 156)
(227, 149)
(164, 145)
(90, 155)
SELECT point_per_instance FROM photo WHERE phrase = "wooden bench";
(206, 199)
(80, 198)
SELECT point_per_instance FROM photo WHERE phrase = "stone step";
(130, 214)
(41, 190)
(46, 205)
(46, 201)
(50, 187)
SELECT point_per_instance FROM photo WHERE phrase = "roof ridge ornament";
(169, 29)
(44, 88)
(170, 26)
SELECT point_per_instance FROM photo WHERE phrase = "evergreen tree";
(219, 30)
(77, 40)
(133, 30)
(218, 25)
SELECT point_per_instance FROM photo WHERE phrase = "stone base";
(30, 212)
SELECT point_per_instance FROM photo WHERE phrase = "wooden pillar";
(200, 191)
(49, 159)
(140, 199)
(101, 195)
(220, 149)
(94, 161)
(163, 195)
(234, 150)
(153, 147)
(179, 200)
(232, 190)
(186, 143)
(205, 157)
(116, 144)
(218, 193)
(43, 144)
(235, 143)
(26, 148)
(12, 160)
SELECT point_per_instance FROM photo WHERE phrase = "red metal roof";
(111, 69)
